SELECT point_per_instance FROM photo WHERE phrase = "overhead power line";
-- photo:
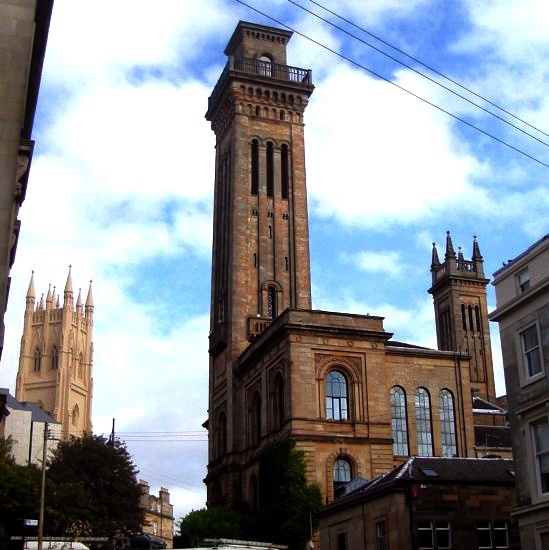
(430, 68)
(418, 72)
(381, 77)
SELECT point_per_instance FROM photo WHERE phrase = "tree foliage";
(19, 494)
(212, 523)
(287, 503)
(92, 488)
(286, 509)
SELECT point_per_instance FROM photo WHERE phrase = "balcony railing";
(264, 69)
(256, 326)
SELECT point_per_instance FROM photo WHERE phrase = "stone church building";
(357, 402)
(56, 358)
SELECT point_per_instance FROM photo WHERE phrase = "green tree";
(19, 494)
(92, 489)
(287, 503)
(212, 522)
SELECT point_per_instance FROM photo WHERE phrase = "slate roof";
(38, 414)
(469, 471)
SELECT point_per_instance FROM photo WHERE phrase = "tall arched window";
(424, 430)
(336, 396)
(37, 360)
(399, 422)
(255, 167)
(222, 435)
(256, 419)
(270, 169)
(279, 404)
(272, 310)
(341, 473)
(447, 424)
(54, 358)
(284, 172)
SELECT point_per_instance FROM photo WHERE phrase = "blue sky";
(122, 180)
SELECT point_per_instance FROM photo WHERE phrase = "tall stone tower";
(461, 314)
(55, 363)
(260, 262)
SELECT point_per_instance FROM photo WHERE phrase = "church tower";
(260, 263)
(56, 358)
(461, 313)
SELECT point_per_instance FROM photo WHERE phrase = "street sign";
(31, 522)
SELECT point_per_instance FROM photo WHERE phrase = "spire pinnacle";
(79, 299)
(89, 302)
(435, 262)
(68, 298)
(450, 252)
(460, 254)
(476, 250)
(31, 296)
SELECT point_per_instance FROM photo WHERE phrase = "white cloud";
(387, 262)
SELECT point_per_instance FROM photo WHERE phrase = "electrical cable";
(357, 64)
(432, 69)
(418, 72)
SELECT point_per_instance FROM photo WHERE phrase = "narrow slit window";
(255, 167)
(284, 172)
(270, 169)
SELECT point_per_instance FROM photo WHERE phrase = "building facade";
(159, 520)
(426, 503)
(56, 358)
(522, 292)
(357, 402)
(25, 424)
(25, 28)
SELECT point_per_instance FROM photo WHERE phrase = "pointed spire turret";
(450, 252)
(79, 306)
(89, 301)
(477, 258)
(31, 296)
(49, 298)
(476, 250)
(68, 302)
(435, 262)
(460, 254)
(41, 304)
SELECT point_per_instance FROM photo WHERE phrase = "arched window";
(447, 424)
(75, 415)
(423, 423)
(284, 172)
(37, 365)
(341, 472)
(222, 435)
(336, 396)
(398, 421)
(255, 166)
(270, 169)
(256, 419)
(272, 310)
(279, 404)
(265, 65)
(54, 358)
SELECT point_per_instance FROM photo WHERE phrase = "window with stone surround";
(531, 357)
(447, 423)
(336, 396)
(342, 473)
(424, 430)
(399, 421)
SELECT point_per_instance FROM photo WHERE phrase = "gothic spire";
(476, 250)
(435, 262)
(450, 252)
(68, 290)
(460, 254)
(79, 307)
(31, 296)
(89, 300)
